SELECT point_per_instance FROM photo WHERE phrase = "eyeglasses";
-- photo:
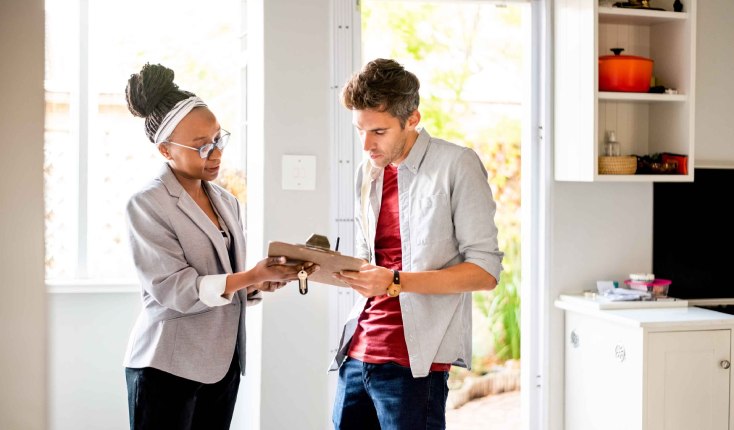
(206, 150)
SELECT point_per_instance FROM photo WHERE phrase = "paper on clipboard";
(329, 261)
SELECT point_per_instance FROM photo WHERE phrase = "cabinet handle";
(620, 353)
(574, 339)
(725, 364)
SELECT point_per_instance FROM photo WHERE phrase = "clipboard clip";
(319, 241)
(316, 241)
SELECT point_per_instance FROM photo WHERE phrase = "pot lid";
(617, 56)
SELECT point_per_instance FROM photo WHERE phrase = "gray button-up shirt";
(446, 217)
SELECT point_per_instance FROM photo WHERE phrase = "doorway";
(473, 61)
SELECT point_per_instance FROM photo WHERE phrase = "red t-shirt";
(379, 337)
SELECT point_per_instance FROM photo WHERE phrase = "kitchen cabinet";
(647, 369)
(644, 123)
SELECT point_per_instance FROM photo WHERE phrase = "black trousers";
(158, 400)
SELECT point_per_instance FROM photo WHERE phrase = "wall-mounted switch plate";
(299, 172)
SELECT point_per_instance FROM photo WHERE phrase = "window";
(96, 152)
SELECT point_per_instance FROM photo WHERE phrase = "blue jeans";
(387, 397)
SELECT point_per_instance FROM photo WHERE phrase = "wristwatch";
(394, 289)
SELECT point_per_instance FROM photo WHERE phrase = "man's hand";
(369, 281)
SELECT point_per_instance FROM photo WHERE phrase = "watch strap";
(393, 290)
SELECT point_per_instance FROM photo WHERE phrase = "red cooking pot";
(626, 73)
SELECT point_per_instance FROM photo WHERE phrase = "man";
(426, 220)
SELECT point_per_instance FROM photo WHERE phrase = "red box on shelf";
(681, 162)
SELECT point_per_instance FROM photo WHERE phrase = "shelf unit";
(645, 123)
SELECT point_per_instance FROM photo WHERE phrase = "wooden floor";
(497, 411)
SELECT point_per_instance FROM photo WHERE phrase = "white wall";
(87, 338)
(604, 231)
(714, 83)
(23, 304)
(289, 114)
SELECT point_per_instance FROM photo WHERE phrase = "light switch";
(299, 172)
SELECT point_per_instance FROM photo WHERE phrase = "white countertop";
(598, 301)
(652, 317)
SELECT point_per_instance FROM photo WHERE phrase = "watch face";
(393, 290)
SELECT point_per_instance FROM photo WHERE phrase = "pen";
(336, 248)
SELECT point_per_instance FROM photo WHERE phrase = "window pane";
(201, 44)
(61, 151)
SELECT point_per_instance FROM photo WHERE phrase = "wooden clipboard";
(329, 261)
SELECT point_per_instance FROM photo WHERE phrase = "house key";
(303, 282)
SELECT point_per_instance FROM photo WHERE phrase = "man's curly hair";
(383, 85)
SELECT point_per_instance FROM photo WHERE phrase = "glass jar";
(611, 146)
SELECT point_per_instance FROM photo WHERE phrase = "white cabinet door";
(687, 383)
(603, 375)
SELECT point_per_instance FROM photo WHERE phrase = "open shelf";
(616, 15)
(644, 178)
(644, 123)
(642, 97)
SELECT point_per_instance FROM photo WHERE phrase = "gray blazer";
(174, 245)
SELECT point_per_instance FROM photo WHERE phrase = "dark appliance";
(693, 235)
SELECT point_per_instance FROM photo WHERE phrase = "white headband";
(172, 118)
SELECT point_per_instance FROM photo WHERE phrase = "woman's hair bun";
(146, 89)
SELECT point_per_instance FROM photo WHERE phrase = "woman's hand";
(275, 273)
(369, 281)
(269, 274)
(270, 286)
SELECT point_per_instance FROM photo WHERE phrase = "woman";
(187, 349)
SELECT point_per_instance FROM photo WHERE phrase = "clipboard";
(329, 261)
